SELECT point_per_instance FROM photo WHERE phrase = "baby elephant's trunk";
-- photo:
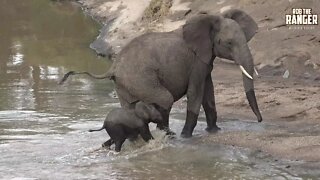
(91, 130)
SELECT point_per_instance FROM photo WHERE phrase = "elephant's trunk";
(247, 75)
(252, 98)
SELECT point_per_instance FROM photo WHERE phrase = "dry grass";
(156, 10)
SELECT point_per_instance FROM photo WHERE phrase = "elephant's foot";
(107, 144)
(167, 130)
(213, 129)
(186, 135)
(190, 124)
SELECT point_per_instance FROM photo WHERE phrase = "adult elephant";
(161, 67)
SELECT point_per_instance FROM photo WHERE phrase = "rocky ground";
(287, 58)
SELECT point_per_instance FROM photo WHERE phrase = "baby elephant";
(123, 123)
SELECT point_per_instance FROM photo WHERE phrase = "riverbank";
(287, 59)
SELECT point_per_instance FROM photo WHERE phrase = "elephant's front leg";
(209, 106)
(195, 96)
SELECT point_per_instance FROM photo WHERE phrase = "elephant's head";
(148, 112)
(225, 36)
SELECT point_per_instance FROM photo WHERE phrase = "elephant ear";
(141, 111)
(248, 25)
(197, 33)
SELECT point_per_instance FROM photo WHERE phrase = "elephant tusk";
(245, 72)
(255, 70)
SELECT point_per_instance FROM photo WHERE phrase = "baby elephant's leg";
(145, 133)
(117, 134)
(118, 144)
(108, 143)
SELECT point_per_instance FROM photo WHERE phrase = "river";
(43, 126)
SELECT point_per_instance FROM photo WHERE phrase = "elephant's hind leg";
(125, 98)
(145, 86)
(158, 95)
(150, 90)
(165, 124)
(145, 133)
(164, 99)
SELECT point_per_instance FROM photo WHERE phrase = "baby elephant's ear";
(141, 110)
(247, 24)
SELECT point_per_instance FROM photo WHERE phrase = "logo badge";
(301, 16)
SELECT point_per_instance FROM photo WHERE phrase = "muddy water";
(43, 126)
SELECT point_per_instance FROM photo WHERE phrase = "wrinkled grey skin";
(123, 123)
(162, 67)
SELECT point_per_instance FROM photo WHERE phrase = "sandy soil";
(287, 58)
(290, 108)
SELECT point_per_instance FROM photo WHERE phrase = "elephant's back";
(154, 49)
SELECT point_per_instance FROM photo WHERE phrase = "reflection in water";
(39, 41)
(16, 57)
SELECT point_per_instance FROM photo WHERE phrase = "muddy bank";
(291, 106)
(286, 57)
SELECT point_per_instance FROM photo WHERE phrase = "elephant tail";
(92, 130)
(109, 75)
